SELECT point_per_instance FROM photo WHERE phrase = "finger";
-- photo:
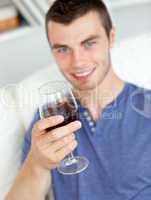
(60, 155)
(56, 146)
(63, 131)
(43, 124)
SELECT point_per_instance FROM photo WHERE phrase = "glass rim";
(47, 89)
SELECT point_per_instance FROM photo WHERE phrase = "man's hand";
(50, 147)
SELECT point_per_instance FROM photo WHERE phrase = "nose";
(79, 58)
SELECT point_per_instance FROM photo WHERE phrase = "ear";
(112, 37)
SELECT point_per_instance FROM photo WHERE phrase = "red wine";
(66, 109)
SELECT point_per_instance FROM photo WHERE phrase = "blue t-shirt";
(118, 147)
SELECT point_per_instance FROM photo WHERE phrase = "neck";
(98, 98)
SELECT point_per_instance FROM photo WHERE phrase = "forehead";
(78, 30)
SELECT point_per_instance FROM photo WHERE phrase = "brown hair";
(66, 11)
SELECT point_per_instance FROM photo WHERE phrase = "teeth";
(83, 73)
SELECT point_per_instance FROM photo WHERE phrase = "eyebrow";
(57, 46)
(92, 37)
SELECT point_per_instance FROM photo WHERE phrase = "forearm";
(31, 183)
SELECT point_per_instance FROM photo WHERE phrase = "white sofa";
(18, 102)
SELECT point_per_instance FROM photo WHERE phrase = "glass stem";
(71, 156)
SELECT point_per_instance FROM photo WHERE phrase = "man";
(112, 134)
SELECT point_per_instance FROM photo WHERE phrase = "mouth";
(83, 75)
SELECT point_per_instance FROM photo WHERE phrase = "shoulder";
(36, 117)
(140, 100)
(28, 136)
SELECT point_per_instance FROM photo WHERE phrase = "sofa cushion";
(11, 136)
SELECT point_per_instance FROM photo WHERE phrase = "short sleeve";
(27, 137)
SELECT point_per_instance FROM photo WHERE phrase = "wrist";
(36, 168)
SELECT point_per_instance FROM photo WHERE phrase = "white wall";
(22, 54)
(133, 20)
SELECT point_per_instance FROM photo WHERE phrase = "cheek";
(62, 61)
(101, 55)
(63, 64)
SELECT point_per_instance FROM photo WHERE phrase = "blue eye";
(89, 44)
(63, 50)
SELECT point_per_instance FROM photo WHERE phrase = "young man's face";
(82, 50)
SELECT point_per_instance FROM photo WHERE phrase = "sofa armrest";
(11, 136)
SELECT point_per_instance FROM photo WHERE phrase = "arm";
(48, 148)
(31, 183)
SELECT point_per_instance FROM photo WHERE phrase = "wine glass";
(56, 98)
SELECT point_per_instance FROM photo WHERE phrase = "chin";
(85, 87)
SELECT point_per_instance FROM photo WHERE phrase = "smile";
(84, 74)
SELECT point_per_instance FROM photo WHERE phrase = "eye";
(89, 44)
(63, 50)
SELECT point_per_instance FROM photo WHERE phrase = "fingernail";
(78, 124)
